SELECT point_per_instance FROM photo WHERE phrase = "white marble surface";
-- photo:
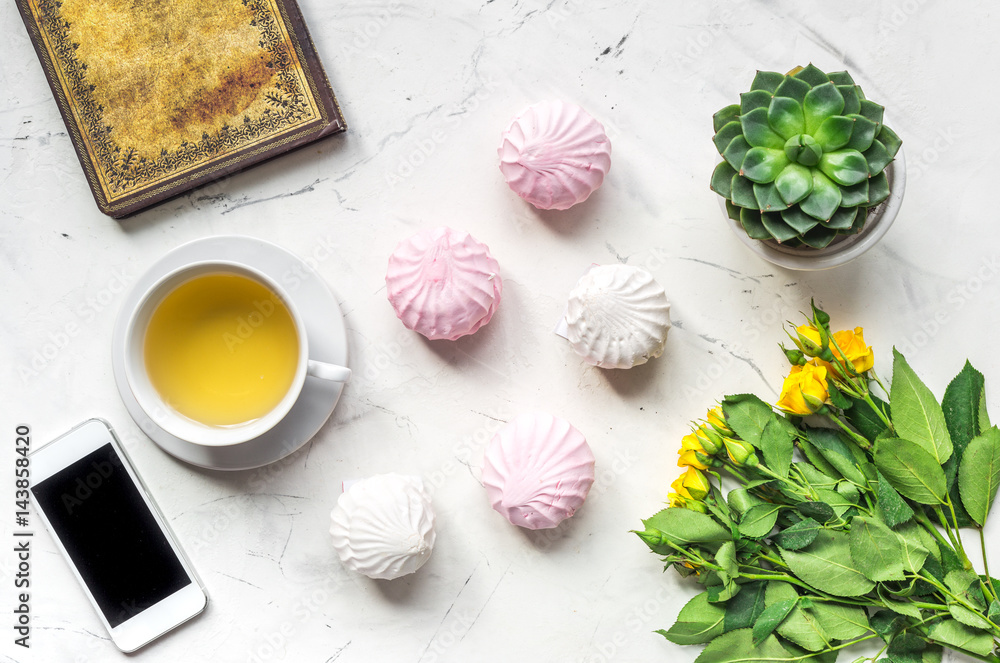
(426, 89)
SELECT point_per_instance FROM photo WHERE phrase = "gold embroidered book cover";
(161, 96)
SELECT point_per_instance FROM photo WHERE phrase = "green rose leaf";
(834, 133)
(785, 117)
(769, 620)
(742, 500)
(737, 647)
(968, 617)
(799, 535)
(955, 634)
(916, 414)
(865, 419)
(684, 527)
(845, 167)
(744, 609)
(824, 199)
(777, 441)
(904, 608)
(726, 559)
(698, 622)
(820, 103)
(826, 564)
(799, 626)
(759, 520)
(794, 183)
(876, 550)
(819, 511)
(886, 623)
(961, 405)
(758, 132)
(763, 165)
(841, 621)
(747, 415)
(911, 470)
(979, 475)
(834, 449)
(893, 508)
(906, 648)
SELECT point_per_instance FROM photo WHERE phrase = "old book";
(161, 96)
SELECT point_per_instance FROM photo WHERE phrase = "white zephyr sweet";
(618, 316)
(383, 527)
(538, 470)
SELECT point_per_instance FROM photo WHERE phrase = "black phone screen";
(111, 535)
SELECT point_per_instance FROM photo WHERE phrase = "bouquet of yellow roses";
(841, 522)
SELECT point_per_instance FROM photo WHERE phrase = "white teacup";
(184, 427)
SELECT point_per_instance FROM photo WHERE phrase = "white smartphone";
(114, 537)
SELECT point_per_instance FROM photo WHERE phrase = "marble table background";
(426, 89)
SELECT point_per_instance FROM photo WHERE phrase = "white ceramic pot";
(844, 248)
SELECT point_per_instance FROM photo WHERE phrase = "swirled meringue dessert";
(554, 155)
(383, 527)
(617, 316)
(538, 470)
(443, 283)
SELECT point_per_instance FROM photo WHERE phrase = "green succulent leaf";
(824, 199)
(762, 165)
(834, 133)
(758, 132)
(841, 78)
(852, 102)
(725, 116)
(826, 565)
(736, 152)
(726, 134)
(754, 99)
(859, 221)
(845, 167)
(742, 192)
(873, 112)
(767, 80)
(820, 103)
(891, 141)
(798, 219)
(863, 133)
(843, 218)
(877, 157)
(785, 117)
(794, 183)
(732, 211)
(812, 75)
(793, 88)
(852, 196)
(878, 189)
(751, 221)
(779, 230)
(819, 237)
(722, 179)
(768, 197)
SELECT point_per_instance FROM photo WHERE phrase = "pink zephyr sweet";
(538, 470)
(443, 283)
(554, 155)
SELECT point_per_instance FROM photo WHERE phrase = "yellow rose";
(690, 442)
(809, 340)
(852, 343)
(690, 459)
(804, 390)
(741, 453)
(717, 419)
(692, 485)
(675, 500)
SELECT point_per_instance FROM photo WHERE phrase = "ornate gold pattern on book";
(159, 87)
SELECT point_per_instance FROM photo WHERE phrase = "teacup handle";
(332, 372)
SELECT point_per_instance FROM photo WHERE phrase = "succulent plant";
(804, 157)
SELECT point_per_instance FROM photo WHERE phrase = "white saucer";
(327, 342)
